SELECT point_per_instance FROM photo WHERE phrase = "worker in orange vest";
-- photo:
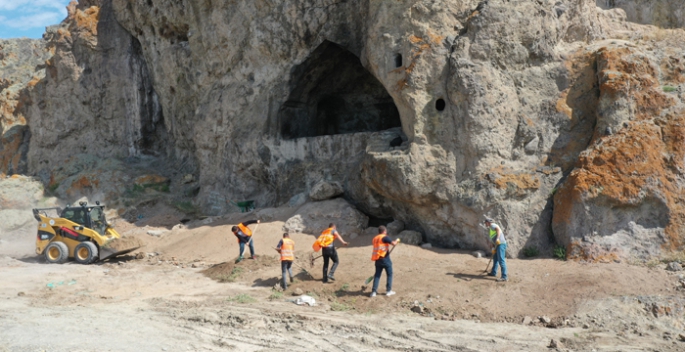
(244, 235)
(325, 242)
(287, 249)
(381, 257)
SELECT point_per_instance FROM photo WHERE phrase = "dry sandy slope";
(162, 303)
(134, 307)
(537, 287)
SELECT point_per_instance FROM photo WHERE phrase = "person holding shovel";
(381, 257)
(325, 242)
(499, 244)
(287, 249)
(244, 235)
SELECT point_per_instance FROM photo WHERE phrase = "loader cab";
(90, 216)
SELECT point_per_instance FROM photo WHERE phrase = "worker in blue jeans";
(381, 258)
(499, 252)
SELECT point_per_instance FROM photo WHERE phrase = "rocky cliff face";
(431, 112)
(661, 13)
(97, 97)
(22, 65)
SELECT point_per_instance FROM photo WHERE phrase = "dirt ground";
(183, 292)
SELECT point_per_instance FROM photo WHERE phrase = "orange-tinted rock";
(625, 195)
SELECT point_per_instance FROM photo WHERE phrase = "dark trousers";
(242, 248)
(383, 264)
(286, 266)
(329, 253)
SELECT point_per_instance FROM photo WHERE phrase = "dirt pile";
(124, 243)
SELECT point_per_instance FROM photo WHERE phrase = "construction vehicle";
(79, 232)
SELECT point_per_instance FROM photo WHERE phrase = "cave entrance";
(332, 93)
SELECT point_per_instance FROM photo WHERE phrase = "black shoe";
(491, 274)
(292, 280)
(331, 278)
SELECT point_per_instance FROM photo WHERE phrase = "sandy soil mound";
(124, 243)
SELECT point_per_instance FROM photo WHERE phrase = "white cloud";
(26, 14)
(31, 5)
(42, 19)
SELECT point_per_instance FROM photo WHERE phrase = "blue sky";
(28, 18)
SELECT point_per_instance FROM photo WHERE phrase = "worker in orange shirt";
(244, 235)
(325, 242)
(287, 249)
(381, 258)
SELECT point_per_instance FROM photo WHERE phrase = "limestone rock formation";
(18, 194)
(22, 65)
(97, 97)
(558, 118)
(661, 13)
(410, 237)
(315, 217)
(323, 190)
(624, 198)
(395, 227)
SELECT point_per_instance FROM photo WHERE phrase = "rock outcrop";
(315, 217)
(22, 65)
(661, 13)
(624, 198)
(546, 115)
(96, 98)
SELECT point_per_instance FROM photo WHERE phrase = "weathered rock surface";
(18, 194)
(624, 197)
(395, 227)
(662, 13)
(410, 237)
(323, 190)
(434, 113)
(315, 217)
(674, 266)
(97, 96)
(22, 65)
(371, 231)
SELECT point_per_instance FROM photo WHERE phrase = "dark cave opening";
(440, 104)
(332, 93)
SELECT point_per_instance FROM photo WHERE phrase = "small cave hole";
(398, 60)
(332, 93)
(440, 104)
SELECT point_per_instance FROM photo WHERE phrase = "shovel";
(486, 267)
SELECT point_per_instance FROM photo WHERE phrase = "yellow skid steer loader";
(79, 232)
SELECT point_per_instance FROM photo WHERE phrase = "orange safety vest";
(380, 249)
(246, 230)
(288, 249)
(326, 238)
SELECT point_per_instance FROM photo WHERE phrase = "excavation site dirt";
(183, 291)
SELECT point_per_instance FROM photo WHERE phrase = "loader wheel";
(56, 253)
(85, 253)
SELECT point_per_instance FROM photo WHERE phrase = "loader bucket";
(106, 253)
